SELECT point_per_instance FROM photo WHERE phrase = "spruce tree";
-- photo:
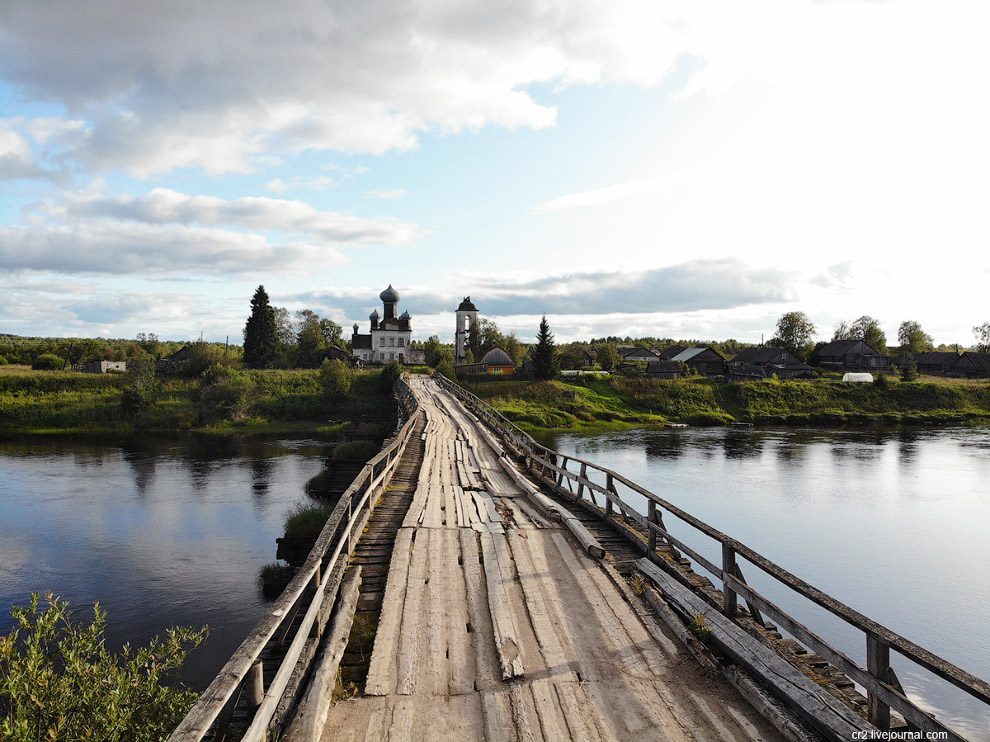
(546, 364)
(259, 332)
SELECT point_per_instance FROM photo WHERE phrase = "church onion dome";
(497, 357)
(389, 295)
(467, 305)
(374, 315)
(405, 315)
(356, 328)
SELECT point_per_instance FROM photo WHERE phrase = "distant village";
(479, 348)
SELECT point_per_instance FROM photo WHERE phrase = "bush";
(59, 682)
(47, 362)
(274, 578)
(306, 521)
(336, 379)
(228, 398)
(3, 361)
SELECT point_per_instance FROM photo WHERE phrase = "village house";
(763, 362)
(663, 370)
(633, 353)
(99, 367)
(390, 334)
(495, 361)
(935, 363)
(705, 360)
(850, 355)
(971, 366)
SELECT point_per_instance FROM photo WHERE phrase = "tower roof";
(374, 315)
(467, 305)
(389, 295)
(405, 315)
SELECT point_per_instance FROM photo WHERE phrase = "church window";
(402, 342)
(391, 342)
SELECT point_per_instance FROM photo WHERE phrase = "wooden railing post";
(254, 685)
(611, 488)
(652, 519)
(730, 601)
(584, 475)
(878, 665)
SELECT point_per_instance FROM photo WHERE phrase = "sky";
(636, 168)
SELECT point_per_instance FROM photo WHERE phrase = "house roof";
(842, 347)
(633, 350)
(774, 357)
(688, 353)
(670, 351)
(935, 357)
(361, 342)
(979, 361)
(497, 357)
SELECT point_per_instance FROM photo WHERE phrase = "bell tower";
(467, 313)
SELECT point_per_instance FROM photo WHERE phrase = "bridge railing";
(313, 592)
(585, 480)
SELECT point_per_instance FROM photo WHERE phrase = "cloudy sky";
(656, 167)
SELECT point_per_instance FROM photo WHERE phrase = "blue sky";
(629, 168)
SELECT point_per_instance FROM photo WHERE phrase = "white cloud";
(608, 194)
(309, 182)
(163, 206)
(110, 247)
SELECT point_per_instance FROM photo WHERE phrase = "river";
(162, 531)
(894, 524)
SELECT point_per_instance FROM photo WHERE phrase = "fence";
(314, 591)
(883, 690)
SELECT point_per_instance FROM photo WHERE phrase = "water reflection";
(162, 531)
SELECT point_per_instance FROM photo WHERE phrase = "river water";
(173, 531)
(894, 524)
(161, 531)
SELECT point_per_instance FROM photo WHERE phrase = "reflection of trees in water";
(907, 446)
(142, 456)
(667, 446)
(740, 444)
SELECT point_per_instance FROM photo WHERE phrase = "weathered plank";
(382, 669)
(506, 640)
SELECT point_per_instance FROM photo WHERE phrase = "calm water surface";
(894, 524)
(161, 531)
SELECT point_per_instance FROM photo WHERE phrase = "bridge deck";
(497, 626)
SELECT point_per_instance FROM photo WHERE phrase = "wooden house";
(971, 366)
(936, 363)
(631, 353)
(763, 362)
(670, 351)
(706, 361)
(850, 355)
(663, 370)
(495, 361)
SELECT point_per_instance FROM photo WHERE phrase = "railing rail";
(883, 689)
(317, 580)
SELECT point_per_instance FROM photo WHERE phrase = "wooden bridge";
(474, 585)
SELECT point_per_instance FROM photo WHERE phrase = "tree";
(58, 681)
(285, 333)
(913, 339)
(842, 331)
(445, 364)
(546, 364)
(867, 329)
(794, 332)
(608, 357)
(982, 333)
(434, 351)
(260, 332)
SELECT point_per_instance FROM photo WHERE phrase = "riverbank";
(238, 402)
(593, 403)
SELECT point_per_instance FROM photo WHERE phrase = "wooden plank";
(408, 659)
(433, 676)
(583, 717)
(497, 710)
(311, 715)
(544, 608)
(382, 670)
(460, 662)
(486, 662)
(825, 713)
(504, 631)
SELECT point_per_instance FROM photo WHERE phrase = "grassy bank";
(238, 402)
(616, 402)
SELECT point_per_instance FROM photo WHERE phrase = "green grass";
(270, 401)
(616, 402)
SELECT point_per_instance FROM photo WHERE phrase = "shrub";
(47, 362)
(336, 379)
(58, 681)
(229, 398)
(306, 521)
(3, 361)
(273, 579)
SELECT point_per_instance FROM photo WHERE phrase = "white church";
(390, 334)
